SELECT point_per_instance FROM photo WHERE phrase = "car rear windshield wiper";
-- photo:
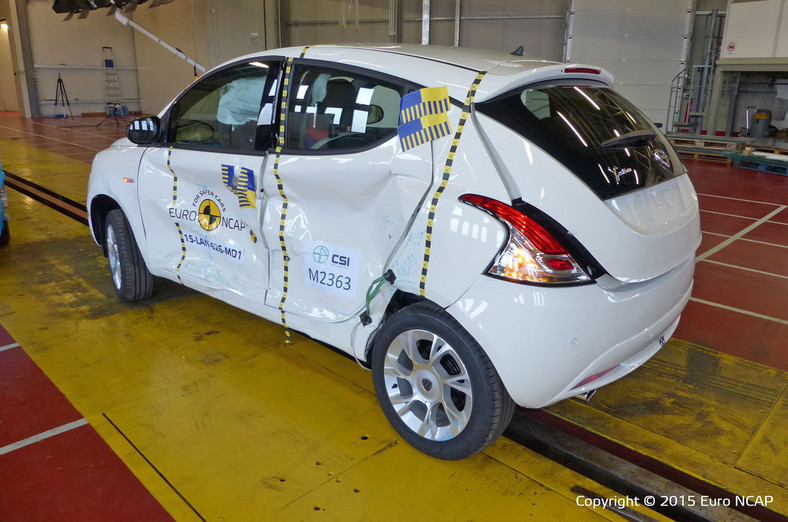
(630, 139)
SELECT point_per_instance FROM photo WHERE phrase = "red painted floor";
(29, 402)
(77, 138)
(70, 475)
(740, 299)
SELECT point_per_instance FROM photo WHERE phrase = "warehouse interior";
(183, 407)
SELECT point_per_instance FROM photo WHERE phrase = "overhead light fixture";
(3, 24)
(83, 6)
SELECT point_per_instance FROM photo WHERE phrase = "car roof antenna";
(519, 51)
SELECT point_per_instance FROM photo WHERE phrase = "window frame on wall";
(264, 134)
(402, 87)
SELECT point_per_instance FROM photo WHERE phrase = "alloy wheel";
(428, 385)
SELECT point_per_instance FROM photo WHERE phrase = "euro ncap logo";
(209, 215)
(320, 254)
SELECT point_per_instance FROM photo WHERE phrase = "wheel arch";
(100, 206)
(398, 301)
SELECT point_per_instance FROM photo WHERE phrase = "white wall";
(756, 29)
(299, 13)
(641, 42)
(542, 37)
(73, 49)
(8, 10)
(240, 27)
(184, 24)
(8, 100)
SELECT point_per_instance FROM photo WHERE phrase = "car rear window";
(591, 130)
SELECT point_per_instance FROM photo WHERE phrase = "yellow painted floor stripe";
(66, 176)
(713, 416)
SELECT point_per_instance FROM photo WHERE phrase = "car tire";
(5, 234)
(130, 275)
(437, 387)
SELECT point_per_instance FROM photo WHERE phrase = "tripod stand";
(61, 97)
(114, 110)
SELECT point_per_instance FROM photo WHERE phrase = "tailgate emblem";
(662, 158)
(617, 172)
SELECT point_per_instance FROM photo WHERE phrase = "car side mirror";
(144, 131)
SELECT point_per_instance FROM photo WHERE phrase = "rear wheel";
(130, 275)
(436, 385)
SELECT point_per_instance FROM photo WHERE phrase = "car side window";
(333, 109)
(536, 101)
(231, 110)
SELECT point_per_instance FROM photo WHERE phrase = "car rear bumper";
(550, 343)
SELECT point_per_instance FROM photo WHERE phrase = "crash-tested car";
(480, 229)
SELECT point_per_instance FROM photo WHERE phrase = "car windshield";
(593, 131)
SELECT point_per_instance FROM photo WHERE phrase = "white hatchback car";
(480, 229)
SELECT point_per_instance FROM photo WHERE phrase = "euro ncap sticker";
(424, 115)
(209, 212)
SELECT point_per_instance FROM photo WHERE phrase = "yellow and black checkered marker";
(425, 116)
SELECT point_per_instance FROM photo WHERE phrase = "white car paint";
(656, 226)
(542, 340)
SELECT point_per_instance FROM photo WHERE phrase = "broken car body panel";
(214, 217)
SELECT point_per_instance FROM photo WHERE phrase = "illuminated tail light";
(531, 253)
(582, 70)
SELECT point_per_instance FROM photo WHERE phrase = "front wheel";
(436, 385)
(130, 275)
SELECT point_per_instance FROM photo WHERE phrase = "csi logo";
(321, 254)
(338, 260)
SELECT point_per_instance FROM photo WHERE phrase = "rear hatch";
(597, 165)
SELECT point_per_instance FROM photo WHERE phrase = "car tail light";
(582, 70)
(531, 254)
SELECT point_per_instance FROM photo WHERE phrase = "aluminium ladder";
(113, 104)
(111, 83)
